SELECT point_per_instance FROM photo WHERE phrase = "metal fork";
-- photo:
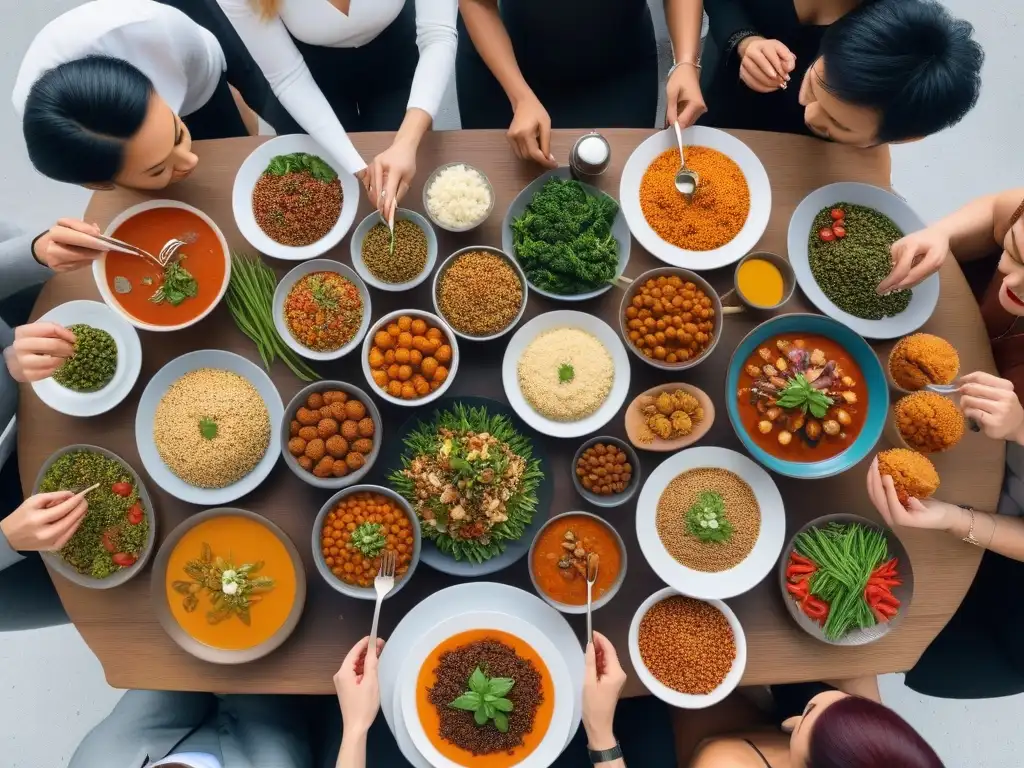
(166, 256)
(384, 583)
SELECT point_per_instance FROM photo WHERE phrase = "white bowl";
(566, 318)
(249, 173)
(446, 264)
(284, 287)
(99, 265)
(356, 248)
(673, 697)
(759, 561)
(432, 321)
(129, 360)
(430, 180)
(562, 721)
(161, 475)
(741, 154)
(925, 296)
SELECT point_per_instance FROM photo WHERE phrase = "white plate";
(925, 296)
(478, 596)
(129, 360)
(356, 250)
(566, 318)
(162, 476)
(762, 557)
(673, 697)
(251, 170)
(741, 154)
(562, 725)
(284, 288)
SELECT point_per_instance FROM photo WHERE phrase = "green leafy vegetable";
(799, 393)
(486, 699)
(299, 162)
(369, 539)
(207, 428)
(566, 373)
(706, 518)
(563, 240)
(178, 285)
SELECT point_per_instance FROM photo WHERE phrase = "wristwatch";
(605, 755)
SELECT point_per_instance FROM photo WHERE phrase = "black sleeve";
(728, 19)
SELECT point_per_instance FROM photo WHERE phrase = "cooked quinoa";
(211, 428)
(565, 374)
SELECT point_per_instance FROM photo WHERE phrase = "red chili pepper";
(814, 608)
(800, 590)
(839, 230)
(796, 557)
(886, 609)
(123, 559)
(880, 617)
(886, 569)
(837, 214)
(800, 577)
(122, 489)
(827, 235)
(881, 581)
(795, 568)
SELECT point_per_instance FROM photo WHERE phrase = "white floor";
(52, 690)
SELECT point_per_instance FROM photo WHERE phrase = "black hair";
(79, 115)
(910, 60)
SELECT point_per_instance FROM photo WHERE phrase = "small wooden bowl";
(635, 421)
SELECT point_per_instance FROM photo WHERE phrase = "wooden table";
(120, 627)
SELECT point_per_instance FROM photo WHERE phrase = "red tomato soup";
(202, 256)
(560, 571)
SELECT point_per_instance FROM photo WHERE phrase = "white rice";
(539, 381)
(458, 196)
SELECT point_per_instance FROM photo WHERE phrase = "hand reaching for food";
(67, 246)
(911, 512)
(602, 685)
(388, 177)
(39, 349)
(684, 102)
(991, 402)
(530, 132)
(915, 258)
(358, 687)
(765, 64)
(45, 522)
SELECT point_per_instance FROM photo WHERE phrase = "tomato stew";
(560, 556)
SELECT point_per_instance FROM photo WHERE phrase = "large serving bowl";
(501, 255)
(249, 173)
(368, 223)
(925, 296)
(620, 231)
(57, 564)
(741, 154)
(209, 295)
(364, 593)
(874, 385)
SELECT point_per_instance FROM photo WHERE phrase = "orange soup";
(441, 658)
(561, 572)
(202, 256)
(238, 540)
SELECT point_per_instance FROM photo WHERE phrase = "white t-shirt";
(318, 22)
(191, 759)
(184, 60)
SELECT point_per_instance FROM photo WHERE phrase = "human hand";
(530, 132)
(45, 522)
(39, 349)
(358, 687)
(602, 685)
(684, 101)
(993, 404)
(765, 64)
(389, 176)
(67, 246)
(915, 257)
(928, 514)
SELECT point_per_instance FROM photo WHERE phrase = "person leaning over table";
(860, 73)
(987, 238)
(530, 65)
(115, 91)
(372, 65)
(32, 352)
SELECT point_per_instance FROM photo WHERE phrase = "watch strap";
(605, 755)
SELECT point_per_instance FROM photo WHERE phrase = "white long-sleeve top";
(182, 59)
(318, 22)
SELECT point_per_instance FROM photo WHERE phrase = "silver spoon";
(686, 180)
(949, 390)
(593, 561)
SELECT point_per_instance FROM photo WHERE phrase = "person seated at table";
(32, 352)
(115, 91)
(521, 68)
(382, 65)
(859, 73)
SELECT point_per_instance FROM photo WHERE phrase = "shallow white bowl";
(926, 295)
(566, 318)
(162, 476)
(562, 721)
(431, 320)
(753, 170)
(284, 287)
(673, 697)
(356, 248)
(249, 173)
(129, 360)
(99, 265)
(446, 264)
(757, 564)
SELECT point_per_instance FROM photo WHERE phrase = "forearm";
(353, 750)
(970, 229)
(684, 18)
(865, 687)
(18, 263)
(415, 124)
(998, 533)
(728, 18)
(491, 40)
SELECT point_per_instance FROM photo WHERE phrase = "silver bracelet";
(678, 64)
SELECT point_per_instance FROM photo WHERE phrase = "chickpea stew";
(561, 553)
(358, 531)
(670, 319)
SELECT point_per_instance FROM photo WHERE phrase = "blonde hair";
(268, 9)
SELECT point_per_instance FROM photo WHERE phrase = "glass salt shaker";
(590, 157)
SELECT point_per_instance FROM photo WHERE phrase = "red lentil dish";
(410, 358)
(451, 687)
(560, 558)
(297, 200)
(670, 319)
(802, 398)
(323, 311)
(687, 645)
(331, 435)
(357, 533)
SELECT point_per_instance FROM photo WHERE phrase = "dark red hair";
(859, 733)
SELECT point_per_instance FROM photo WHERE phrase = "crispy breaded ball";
(363, 445)
(337, 446)
(366, 427)
(335, 396)
(296, 446)
(294, 427)
(308, 433)
(305, 462)
(380, 378)
(350, 429)
(355, 460)
(338, 412)
(395, 388)
(912, 474)
(408, 391)
(306, 417)
(340, 469)
(315, 401)
(355, 410)
(428, 367)
(443, 354)
(315, 449)
(325, 412)
(324, 467)
(418, 327)
(327, 428)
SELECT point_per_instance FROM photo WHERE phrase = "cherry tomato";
(135, 514)
(122, 489)
(837, 214)
(827, 234)
(108, 541)
(839, 231)
(839, 223)
(123, 559)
